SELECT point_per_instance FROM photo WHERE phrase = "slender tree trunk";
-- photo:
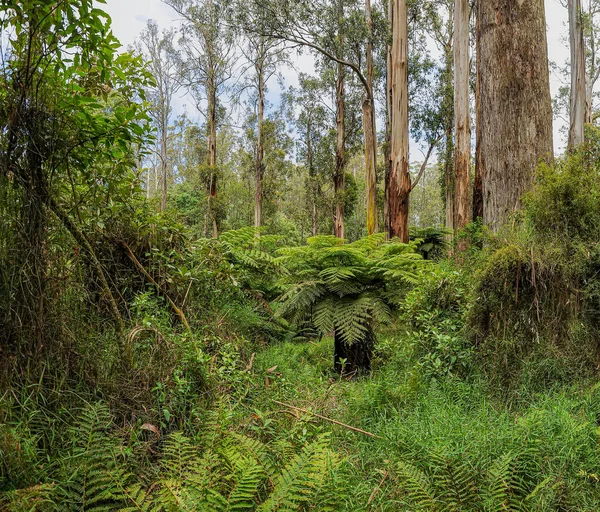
(388, 126)
(515, 110)
(400, 182)
(478, 182)
(313, 180)
(163, 165)
(212, 158)
(339, 177)
(578, 92)
(259, 172)
(462, 121)
(370, 131)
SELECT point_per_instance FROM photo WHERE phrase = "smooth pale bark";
(339, 175)
(388, 126)
(400, 182)
(462, 121)
(515, 110)
(260, 152)
(577, 109)
(369, 130)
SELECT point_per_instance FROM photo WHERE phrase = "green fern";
(91, 481)
(301, 479)
(346, 288)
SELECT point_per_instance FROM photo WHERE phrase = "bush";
(435, 313)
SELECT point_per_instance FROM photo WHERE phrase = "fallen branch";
(376, 490)
(349, 427)
(178, 311)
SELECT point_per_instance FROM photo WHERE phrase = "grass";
(553, 435)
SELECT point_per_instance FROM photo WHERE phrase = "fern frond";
(299, 479)
(419, 489)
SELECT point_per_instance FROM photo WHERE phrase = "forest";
(268, 299)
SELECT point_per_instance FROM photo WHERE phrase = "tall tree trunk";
(259, 171)
(163, 164)
(369, 130)
(448, 103)
(478, 181)
(388, 126)
(515, 109)
(462, 121)
(339, 176)
(577, 109)
(212, 158)
(400, 182)
(313, 179)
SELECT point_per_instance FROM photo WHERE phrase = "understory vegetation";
(482, 393)
(144, 367)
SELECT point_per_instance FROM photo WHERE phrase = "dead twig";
(349, 427)
(178, 311)
(376, 490)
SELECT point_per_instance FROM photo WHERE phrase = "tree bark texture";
(339, 176)
(577, 110)
(462, 121)
(514, 107)
(388, 126)
(212, 158)
(370, 132)
(400, 182)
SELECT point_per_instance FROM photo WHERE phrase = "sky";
(129, 18)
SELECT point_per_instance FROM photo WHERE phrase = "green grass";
(434, 427)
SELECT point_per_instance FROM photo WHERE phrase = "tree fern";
(420, 491)
(346, 288)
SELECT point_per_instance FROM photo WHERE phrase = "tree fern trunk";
(355, 358)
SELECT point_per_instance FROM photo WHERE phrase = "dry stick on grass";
(328, 419)
(376, 490)
(178, 311)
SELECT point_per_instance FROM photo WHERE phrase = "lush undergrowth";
(482, 393)
(430, 444)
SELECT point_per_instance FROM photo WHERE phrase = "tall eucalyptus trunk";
(514, 107)
(260, 152)
(369, 130)
(462, 121)
(339, 175)
(400, 181)
(577, 109)
(212, 159)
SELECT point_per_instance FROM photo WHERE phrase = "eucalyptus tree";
(514, 107)
(591, 32)
(162, 56)
(265, 56)
(578, 90)
(311, 117)
(322, 27)
(462, 118)
(209, 51)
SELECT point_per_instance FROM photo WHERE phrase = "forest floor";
(417, 426)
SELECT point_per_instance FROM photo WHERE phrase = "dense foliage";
(144, 366)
